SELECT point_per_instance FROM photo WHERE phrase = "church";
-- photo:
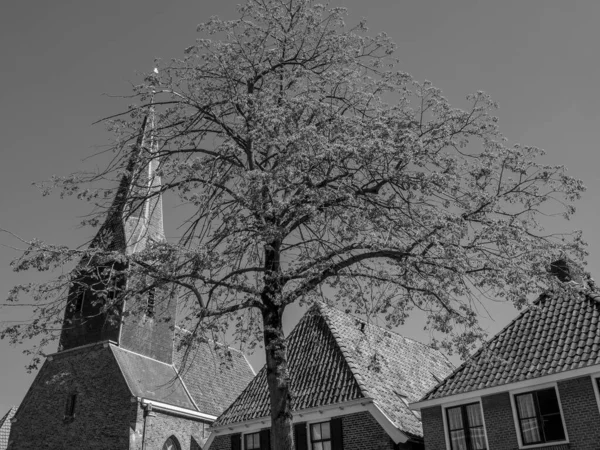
(119, 379)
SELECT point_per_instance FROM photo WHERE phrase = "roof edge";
(347, 356)
(320, 412)
(553, 377)
(298, 416)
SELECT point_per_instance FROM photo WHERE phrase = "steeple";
(133, 221)
(135, 216)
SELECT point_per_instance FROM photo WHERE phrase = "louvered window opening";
(539, 416)
(465, 426)
(150, 302)
(70, 406)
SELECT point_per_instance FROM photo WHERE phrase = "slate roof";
(5, 427)
(152, 379)
(560, 332)
(335, 357)
(202, 383)
(213, 380)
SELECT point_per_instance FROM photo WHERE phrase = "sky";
(66, 62)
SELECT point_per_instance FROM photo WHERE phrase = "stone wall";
(191, 434)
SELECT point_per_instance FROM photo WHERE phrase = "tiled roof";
(333, 358)
(213, 380)
(560, 332)
(152, 379)
(5, 427)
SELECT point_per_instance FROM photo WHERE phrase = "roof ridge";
(185, 330)
(380, 327)
(352, 365)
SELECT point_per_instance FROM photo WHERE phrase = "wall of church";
(103, 410)
(160, 426)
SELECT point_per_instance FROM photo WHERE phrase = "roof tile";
(5, 427)
(570, 340)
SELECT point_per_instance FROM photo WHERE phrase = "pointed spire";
(135, 216)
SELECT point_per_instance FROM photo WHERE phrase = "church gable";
(75, 396)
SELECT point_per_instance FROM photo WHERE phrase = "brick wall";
(190, 434)
(360, 430)
(222, 442)
(581, 413)
(433, 428)
(500, 425)
(103, 411)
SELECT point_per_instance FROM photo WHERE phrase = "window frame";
(309, 426)
(174, 440)
(515, 413)
(257, 433)
(462, 404)
(70, 406)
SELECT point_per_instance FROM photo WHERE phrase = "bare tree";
(310, 166)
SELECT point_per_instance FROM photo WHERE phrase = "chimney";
(566, 271)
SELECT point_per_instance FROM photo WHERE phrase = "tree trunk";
(278, 379)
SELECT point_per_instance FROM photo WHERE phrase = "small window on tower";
(150, 302)
(70, 406)
(77, 304)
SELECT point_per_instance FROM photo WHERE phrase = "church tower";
(94, 313)
(118, 380)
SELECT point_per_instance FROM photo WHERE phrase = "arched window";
(171, 444)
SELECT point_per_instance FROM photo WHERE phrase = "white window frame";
(460, 403)
(595, 377)
(312, 422)
(515, 414)
(246, 434)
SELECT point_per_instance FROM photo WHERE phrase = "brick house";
(120, 381)
(352, 382)
(533, 385)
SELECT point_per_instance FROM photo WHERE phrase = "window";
(171, 444)
(70, 406)
(465, 427)
(252, 441)
(320, 436)
(539, 417)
